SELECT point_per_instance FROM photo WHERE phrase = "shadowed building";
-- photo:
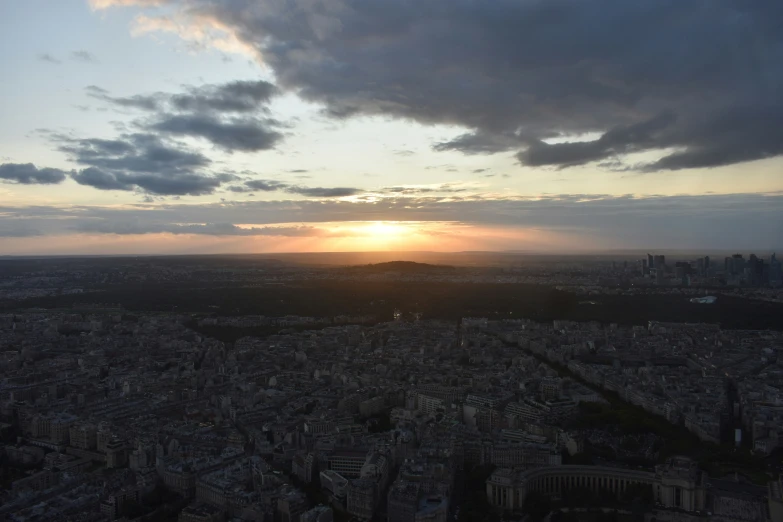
(678, 483)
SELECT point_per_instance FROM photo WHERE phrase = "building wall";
(507, 490)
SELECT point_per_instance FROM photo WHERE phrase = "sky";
(233, 126)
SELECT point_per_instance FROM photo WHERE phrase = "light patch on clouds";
(199, 31)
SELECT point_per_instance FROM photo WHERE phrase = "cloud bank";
(683, 222)
(697, 82)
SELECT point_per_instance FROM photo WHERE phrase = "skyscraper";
(736, 265)
(775, 271)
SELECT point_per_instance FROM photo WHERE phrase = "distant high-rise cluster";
(736, 270)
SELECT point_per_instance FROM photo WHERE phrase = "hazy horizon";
(461, 259)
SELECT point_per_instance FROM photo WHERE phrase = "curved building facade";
(678, 483)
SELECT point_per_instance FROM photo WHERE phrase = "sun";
(383, 229)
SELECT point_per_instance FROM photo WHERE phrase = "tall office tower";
(775, 271)
(737, 264)
(660, 263)
(681, 269)
(659, 272)
(755, 271)
(650, 262)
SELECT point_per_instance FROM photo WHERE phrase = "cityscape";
(115, 408)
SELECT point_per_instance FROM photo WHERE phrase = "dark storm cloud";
(537, 69)
(84, 56)
(248, 135)
(29, 174)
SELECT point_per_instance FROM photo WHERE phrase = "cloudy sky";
(184, 126)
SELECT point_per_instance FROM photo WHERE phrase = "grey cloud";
(238, 96)
(29, 174)
(445, 188)
(619, 140)
(205, 112)
(668, 221)
(18, 228)
(232, 97)
(247, 135)
(480, 143)
(138, 101)
(141, 162)
(537, 69)
(103, 180)
(312, 192)
(135, 152)
(723, 138)
(137, 227)
(84, 56)
(258, 184)
(264, 185)
(189, 183)
(49, 59)
(733, 136)
(321, 192)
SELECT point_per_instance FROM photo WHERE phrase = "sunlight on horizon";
(347, 236)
